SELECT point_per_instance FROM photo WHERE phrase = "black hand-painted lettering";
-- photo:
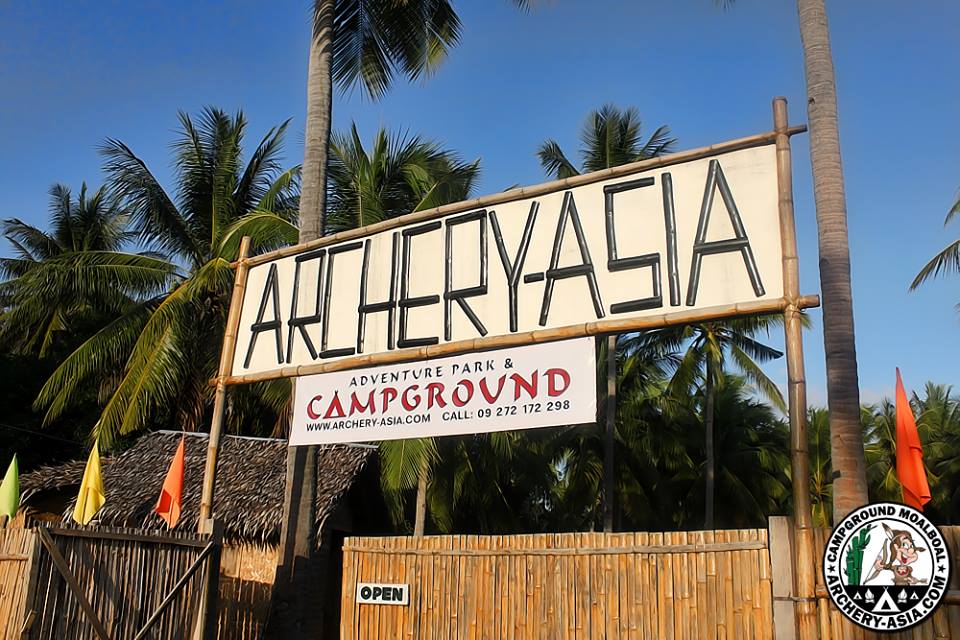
(583, 270)
(451, 295)
(300, 323)
(513, 270)
(271, 292)
(406, 302)
(670, 223)
(389, 305)
(740, 242)
(616, 263)
(325, 350)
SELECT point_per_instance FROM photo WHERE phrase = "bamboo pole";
(796, 380)
(773, 305)
(356, 544)
(226, 366)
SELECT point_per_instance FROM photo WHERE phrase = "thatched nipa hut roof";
(249, 491)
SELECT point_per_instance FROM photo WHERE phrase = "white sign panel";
(373, 593)
(532, 386)
(674, 239)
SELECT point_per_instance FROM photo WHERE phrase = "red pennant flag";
(910, 471)
(171, 496)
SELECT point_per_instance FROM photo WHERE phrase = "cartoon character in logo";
(897, 556)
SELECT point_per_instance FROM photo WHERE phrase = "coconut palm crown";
(61, 282)
(153, 362)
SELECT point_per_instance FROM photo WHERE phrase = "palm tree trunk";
(420, 519)
(611, 415)
(843, 394)
(298, 586)
(319, 103)
(708, 419)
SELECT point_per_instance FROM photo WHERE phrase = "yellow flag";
(91, 496)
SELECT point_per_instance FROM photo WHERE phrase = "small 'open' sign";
(372, 593)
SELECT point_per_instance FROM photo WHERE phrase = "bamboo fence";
(246, 586)
(16, 553)
(570, 586)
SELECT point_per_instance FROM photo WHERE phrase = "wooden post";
(611, 417)
(797, 384)
(226, 366)
(779, 537)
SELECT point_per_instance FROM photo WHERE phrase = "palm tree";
(497, 482)
(843, 391)
(609, 138)
(651, 447)
(154, 360)
(938, 416)
(366, 43)
(751, 453)
(818, 435)
(709, 347)
(64, 282)
(946, 261)
(843, 386)
(398, 175)
(880, 447)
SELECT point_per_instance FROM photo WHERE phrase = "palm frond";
(281, 196)
(94, 276)
(259, 175)
(554, 162)
(945, 262)
(753, 348)
(30, 242)
(375, 41)
(267, 232)
(160, 361)
(659, 143)
(94, 360)
(157, 219)
(767, 387)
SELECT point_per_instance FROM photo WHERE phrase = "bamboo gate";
(107, 583)
(736, 584)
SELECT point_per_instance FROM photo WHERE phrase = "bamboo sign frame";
(687, 237)
(259, 319)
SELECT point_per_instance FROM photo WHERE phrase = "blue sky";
(74, 73)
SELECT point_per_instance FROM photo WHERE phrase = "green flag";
(10, 490)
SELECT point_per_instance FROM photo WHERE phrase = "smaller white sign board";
(375, 593)
(521, 388)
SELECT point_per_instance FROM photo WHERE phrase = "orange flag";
(910, 471)
(171, 496)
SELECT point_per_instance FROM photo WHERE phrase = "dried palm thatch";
(250, 483)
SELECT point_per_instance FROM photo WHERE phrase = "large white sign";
(679, 238)
(521, 388)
